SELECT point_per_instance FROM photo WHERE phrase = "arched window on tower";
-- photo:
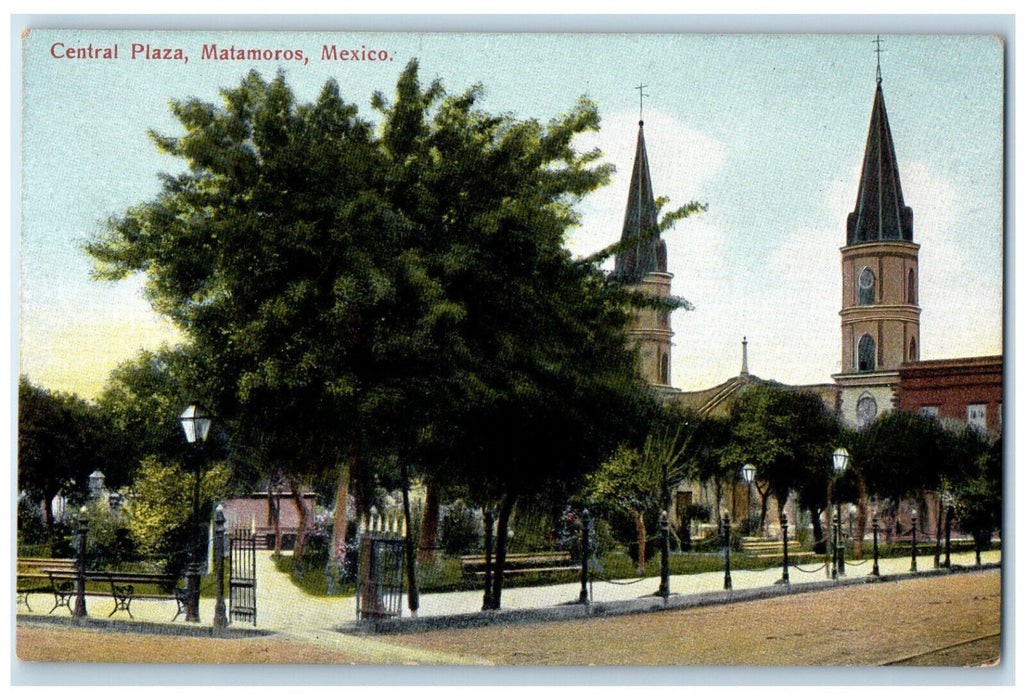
(911, 286)
(664, 369)
(867, 287)
(912, 351)
(867, 353)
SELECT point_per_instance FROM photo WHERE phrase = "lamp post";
(196, 424)
(80, 602)
(840, 458)
(585, 524)
(664, 552)
(913, 540)
(748, 474)
(948, 500)
(727, 585)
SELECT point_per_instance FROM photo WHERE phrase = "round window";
(865, 410)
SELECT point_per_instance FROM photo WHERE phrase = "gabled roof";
(880, 212)
(647, 255)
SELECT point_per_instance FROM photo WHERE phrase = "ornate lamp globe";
(841, 458)
(196, 423)
(748, 473)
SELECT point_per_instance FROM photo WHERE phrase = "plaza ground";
(952, 620)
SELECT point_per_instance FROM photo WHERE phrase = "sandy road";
(916, 622)
(855, 626)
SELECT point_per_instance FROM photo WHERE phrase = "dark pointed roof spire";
(649, 255)
(880, 212)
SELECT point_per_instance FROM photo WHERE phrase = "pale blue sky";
(768, 130)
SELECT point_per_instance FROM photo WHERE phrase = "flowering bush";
(571, 527)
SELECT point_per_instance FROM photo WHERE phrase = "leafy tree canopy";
(61, 440)
(787, 435)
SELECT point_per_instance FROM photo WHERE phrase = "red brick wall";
(243, 510)
(952, 386)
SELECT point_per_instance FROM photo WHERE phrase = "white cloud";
(681, 162)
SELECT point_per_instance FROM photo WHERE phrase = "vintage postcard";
(511, 349)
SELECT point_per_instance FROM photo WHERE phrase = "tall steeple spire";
(646, 255)
(880, 212)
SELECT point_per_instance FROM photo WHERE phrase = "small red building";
(255, 512)
(965, 391)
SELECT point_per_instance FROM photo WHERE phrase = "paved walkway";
(282, 607)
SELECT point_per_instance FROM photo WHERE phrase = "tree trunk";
(500, 549)
(763, 498)
(860, 518)
(340, 517)
(639, 521)
(274, 514)
(429, 524)
(413, 595)
(48, 514)
(718, 490)
(277, 516)
(819, 542)
(297, 498)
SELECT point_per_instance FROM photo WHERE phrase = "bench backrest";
(36, 566)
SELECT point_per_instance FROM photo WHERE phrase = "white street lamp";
(196, 424)
(748, 474)
(841, 458)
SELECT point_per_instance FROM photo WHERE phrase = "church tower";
(879, 280)
(643, 267)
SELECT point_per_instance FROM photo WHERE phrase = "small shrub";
(31, 526)
(460, 530)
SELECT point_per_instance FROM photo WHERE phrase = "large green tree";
(61, 440)
(787, 435)
(383, 306)
(903, 455)
(636, 483)
(538, 385)
(277, 256)
(141, 403)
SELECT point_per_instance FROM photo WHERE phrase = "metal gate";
(379, 586)
(242, 580)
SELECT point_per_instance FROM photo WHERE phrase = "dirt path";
(861, 625)
(946, 620)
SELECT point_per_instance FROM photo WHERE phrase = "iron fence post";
(913, 543)
(220, 618)
(947, 537)
(876, 551)
(664, 553)
(786, 578)
(585, 524)
(840, 552)
(727, 585)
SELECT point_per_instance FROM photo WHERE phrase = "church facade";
(642, 266)
(879, 314)
(879, 278)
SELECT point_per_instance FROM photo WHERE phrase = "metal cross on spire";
(641, 102)
(878, 50)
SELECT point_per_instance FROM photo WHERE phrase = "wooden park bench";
(124, 588)
(523, 564)
(32, 577)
